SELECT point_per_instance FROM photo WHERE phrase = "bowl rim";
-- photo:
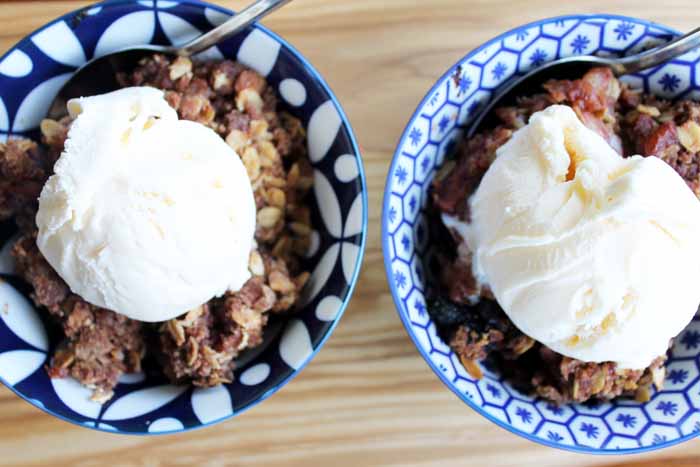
(385, 237)
(345, 123)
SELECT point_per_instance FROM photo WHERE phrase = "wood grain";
(368, 398)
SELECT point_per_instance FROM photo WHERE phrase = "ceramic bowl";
(30, 75)
(621, 426)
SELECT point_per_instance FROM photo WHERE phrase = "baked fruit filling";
(466, 312)
(200, 347)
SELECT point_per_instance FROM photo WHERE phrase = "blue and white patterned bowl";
(672, 415)
(30, 75)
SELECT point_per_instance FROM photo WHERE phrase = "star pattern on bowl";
(439, 122)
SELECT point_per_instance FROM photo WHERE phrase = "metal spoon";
(571, 67)
(98, 76)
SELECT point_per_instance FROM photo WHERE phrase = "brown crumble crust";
(22, 175)
(99, 345)
(201, 346)
(632, 123)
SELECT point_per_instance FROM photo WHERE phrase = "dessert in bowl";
(179, 261)
(531, 262)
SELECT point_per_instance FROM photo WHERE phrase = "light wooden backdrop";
(368, 398)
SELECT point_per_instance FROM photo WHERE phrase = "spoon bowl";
(99, 75)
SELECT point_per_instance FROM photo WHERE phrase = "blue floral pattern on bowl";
(30, 75)
(673, 414)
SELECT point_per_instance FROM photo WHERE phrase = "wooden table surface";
(368, 398)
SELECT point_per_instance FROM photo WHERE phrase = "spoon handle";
(657, 56)
(237, 22)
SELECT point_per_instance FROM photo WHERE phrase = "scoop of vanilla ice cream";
(594, 255)
(146, 215)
